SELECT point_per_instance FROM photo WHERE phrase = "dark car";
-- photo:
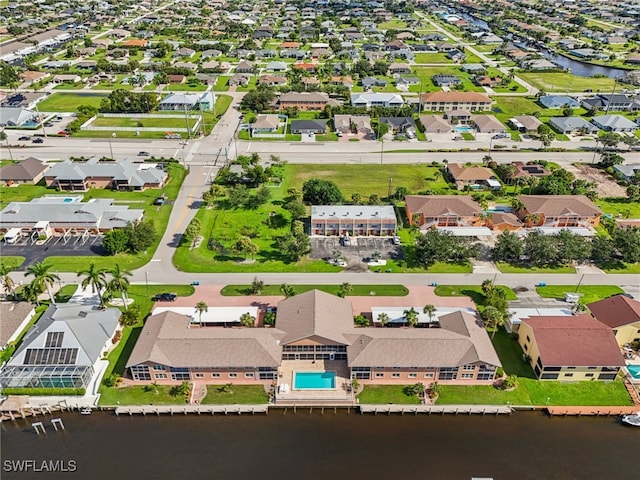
(24, 138)
(144, 154)
(159, 201)
(37, 140)
(164, 297)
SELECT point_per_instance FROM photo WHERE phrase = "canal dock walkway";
(591, 411)
(437, 409)
(191, 409)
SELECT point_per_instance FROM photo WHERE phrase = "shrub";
(41, 392)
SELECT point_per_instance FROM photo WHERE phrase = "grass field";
(133, 121)
(12, 261)
(385, 394)
(358, 290)
(562, 82)
(508, 268)
(239, 394)
(619, 206)
(589, 293)
(69, 102)
(160, 395)
(473, 291)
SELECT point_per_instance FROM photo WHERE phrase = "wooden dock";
(437, 409)
(590, 411)
(191, 409)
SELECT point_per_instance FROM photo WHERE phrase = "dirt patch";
(606, 186)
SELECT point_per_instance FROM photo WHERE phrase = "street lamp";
(146, 277)
(113, 135)
(389, 193)
(606, 112)
(6, 137)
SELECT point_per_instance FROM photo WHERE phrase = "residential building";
(240, 79)
(399, 124)
(627, 171)
(435, 124)
(370, 82)
(303, 101)
(572, 125)
(445, 80)
(558, 101)
(360, 124)
(473, 176)
(124, 175)
(272, 80)
(63, 349)
(487, 124)
(313, 328)
(523, 170)
(622, 315)
(458, 214)
(559, 211)
(399, 68)
(614, 123)
(14, 318)
(368, 100)
(56, 214)
(309, 127)
(458, 117)
(188, 101)
(266, 123)
(443, 101)
(353, 220)
(570, 348)
(487, 81)
(28, 171)
(525, 123)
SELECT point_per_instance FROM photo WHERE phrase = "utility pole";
(389, 193)
(606, 112)
(113, 135)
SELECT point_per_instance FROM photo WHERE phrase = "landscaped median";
(356, 290)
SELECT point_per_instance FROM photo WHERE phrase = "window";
(158, 368)
(395, 375)
(467, 375)
(568, 374)
(140, 372)
(248, 375)
(161, 376)
(199, 375)
(233, 375)
(215, 375)
(485, 376)
(528, 339)
(413, 375)
(379, 375)
(469, 367)
(549, 376)
(588, 375)
(179, 373)
(428, 375)
(54, 339)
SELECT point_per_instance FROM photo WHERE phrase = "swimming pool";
(634, 371)
(463, 128)
(314, 380)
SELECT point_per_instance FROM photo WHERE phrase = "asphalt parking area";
(75, 246)
(361, 248)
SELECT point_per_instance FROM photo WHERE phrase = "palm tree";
(287, 290)
(430, 311)
(410, 317)
(43, 277)
(30, 292)
(494, 319)
(120, 283)
(5, 279)
(95, 277)
(201, 307)
(383, 319)
(487, 286)
(345, 290)
(247, 320)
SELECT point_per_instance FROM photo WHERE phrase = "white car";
(396, 240)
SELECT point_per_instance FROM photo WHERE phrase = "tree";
(487, 286)
(96, 278)
(356, 198)
(435, 246)
(602, 250)
(193, 231)
(43, 278)
(630, 141)
(120, 283)
(627, 242)
(380, 128)
(508, 248)
(31, 292)
(400, 193)
(269, 318)
(557, 183)
(287, 290)
(374, 199)
(115, 241)
(8, 75)
(131, 316)
(361, 321)
(256, 286)
(141, 236)
(572, 247)
(245, 245)
(247, 320)
(5, 279)
(546, 135)
(237, 196)
(410, 317)
(201, 307)
(321, 192)
(383, 319)
(609, 140)
(258, 100)
(430, 311)
(541, 249)
(494, 318)
(633, 193)
(295, 208)
(345, 290)
(294, 245)
(609, 159)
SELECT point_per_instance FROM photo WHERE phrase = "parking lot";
(361, 248)
(71, 246)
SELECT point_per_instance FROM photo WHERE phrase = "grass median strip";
(358, 290)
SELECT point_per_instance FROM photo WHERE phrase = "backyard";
(243, 394)
(384, 394)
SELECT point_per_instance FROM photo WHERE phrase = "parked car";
(144, 154)
(48, 124)
(172, 135)
(24, 138)
(63, 133)
(396, 240)
(37, 140)
(159, 201)
(346, 241)
(165, 297)
(339, 133)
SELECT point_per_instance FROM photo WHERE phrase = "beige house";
(570, 348)
(621, 314)
(559, 211)
(444, 101)
(28, 171)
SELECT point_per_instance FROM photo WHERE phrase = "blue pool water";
(634, 371)
(314, 380)
(463, 128)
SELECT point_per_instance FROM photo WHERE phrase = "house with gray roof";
(63, 348)
(627, 171)
(16, 116)
(309, 126)
(189, 101)
(614, 123)
(124, 175)
(368, 100)
(558, 101)
(572, 125)
(58, 214)
(314, 331)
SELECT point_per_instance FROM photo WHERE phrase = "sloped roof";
(137, 174)
(453, 97)
(12, 314)
(616, 311)
(578, 340)
(557, 205)
(27, 169)
(434, 205)
(475, 172)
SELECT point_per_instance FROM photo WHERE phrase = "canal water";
(323, 446)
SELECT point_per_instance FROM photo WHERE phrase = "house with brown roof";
(135, 43)
(474, 176)
(14, 317)
(303, 101)
(525, 123)
(28, 171)
(435, 124)
(272, 80)
(570, 348)
(559, 211)
(524, 170)
(444, 101)
(442, 211)
(621, 314)
(487, 124)
(314, 331)
(360, 124)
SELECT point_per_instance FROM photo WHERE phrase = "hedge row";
(35, 392)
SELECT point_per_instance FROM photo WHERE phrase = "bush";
(42, 392)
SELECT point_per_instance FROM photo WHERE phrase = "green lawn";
(13, 261)
(358, 290)
(160, 395)
(394, 24)
(245, 394)
(473, 291)
(510, 355)
(633, 268)
(619, 206)
(141, 122)
(508, 268)
(385, 394)
(562, 82)
(69, 102)
(589, 293)
(64, 294)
